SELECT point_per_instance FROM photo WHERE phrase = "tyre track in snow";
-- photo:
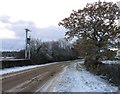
(31, 80)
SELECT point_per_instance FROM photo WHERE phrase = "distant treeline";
(45, 52)
(10, 54)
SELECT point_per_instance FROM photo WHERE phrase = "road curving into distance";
(31, 80)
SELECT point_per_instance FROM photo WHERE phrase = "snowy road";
(76, 79)
(58, 77)
(31, 80)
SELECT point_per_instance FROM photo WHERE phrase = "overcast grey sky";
(40, 16)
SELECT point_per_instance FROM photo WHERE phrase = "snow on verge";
(111, 62)
(74, 80)
(15, 69)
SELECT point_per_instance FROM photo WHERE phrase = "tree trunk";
(91, 62)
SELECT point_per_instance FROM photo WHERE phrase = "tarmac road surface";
(31, 80)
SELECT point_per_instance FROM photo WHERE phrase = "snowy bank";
(15, 69)
(79, 80)
(111, 62)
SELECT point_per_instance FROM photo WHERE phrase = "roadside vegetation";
(96, 32)
(52, 51)
(42, 53)
(110, 72)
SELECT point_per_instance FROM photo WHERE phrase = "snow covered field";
(111, 62)
(80, 80)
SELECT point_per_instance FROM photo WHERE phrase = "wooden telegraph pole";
(27, 45)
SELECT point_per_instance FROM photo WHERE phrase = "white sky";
(44, 13)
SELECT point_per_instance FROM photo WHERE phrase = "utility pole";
(27, 45)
